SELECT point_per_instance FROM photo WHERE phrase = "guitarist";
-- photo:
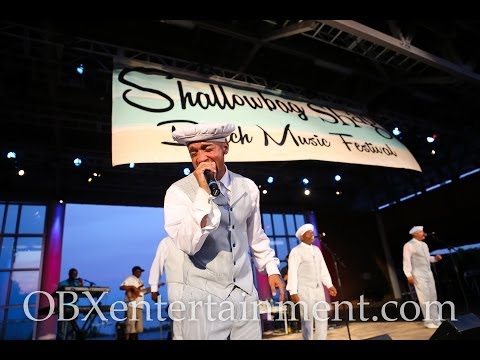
(134, 297)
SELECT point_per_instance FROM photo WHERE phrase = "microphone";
(212, 183)
(434, 235)
(90, 282)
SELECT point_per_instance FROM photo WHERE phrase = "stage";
(397, 330)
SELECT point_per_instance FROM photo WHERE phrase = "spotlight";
(131, 166)
(80, 69)
(430, 139)
(264, 191)
(305, 181)
(338, 192)
(21, 172)
(77, 162)
(186, 171)
(396, 131)
(270, 179)
(11, 155)
(432, 152)
(307, 192)
(338, 178)
(60, 201)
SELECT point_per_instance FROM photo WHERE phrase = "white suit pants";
(313, 312)
(208, 317)
(426, 292)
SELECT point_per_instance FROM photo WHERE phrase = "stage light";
(90, 180)
(80, 69)
(186, 171)
(264, 191)
(305, 181)
(21, 172)
(131, 166)
(432, 152)
(11, 155)
(430, 139)
(469, 173)
(307, 192)
(270, 179)
(338, 178)
(396, 131)
(60, 201)
(77, 162)
(338, 192)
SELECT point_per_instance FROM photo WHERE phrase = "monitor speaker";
(380, 337)
(466, 327)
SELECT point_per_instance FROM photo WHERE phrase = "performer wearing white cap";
(216, 233)
(307, 273)
(169, 259)
(417, 269)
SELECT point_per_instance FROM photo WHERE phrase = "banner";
(148, 103)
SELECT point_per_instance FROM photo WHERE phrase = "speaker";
(380, 337)
(466, 327)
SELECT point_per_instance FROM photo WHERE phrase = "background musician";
(64, 328)
(134, 297)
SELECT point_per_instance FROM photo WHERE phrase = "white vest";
(223, 261)
(309, 269)
(420, 258)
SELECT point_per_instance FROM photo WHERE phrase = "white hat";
(203, 132)
(302, 230)
(414, 229)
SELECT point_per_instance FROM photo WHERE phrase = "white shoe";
(432, 326)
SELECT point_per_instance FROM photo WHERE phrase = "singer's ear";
(225, 148)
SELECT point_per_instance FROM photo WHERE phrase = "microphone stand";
(336, 261)
(455, 267)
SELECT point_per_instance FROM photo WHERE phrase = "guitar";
(135, 292)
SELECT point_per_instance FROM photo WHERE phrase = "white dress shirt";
(132, 280)
(183, 219)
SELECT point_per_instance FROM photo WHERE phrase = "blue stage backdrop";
(103, 243)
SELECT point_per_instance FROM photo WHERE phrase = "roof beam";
(389, 42)
(323, 63)
(291, 30)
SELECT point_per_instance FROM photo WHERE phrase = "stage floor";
(400, 330)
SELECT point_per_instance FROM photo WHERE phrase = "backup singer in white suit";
(217, 233)
(169, 258)
(417, 269)
(307, 273)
